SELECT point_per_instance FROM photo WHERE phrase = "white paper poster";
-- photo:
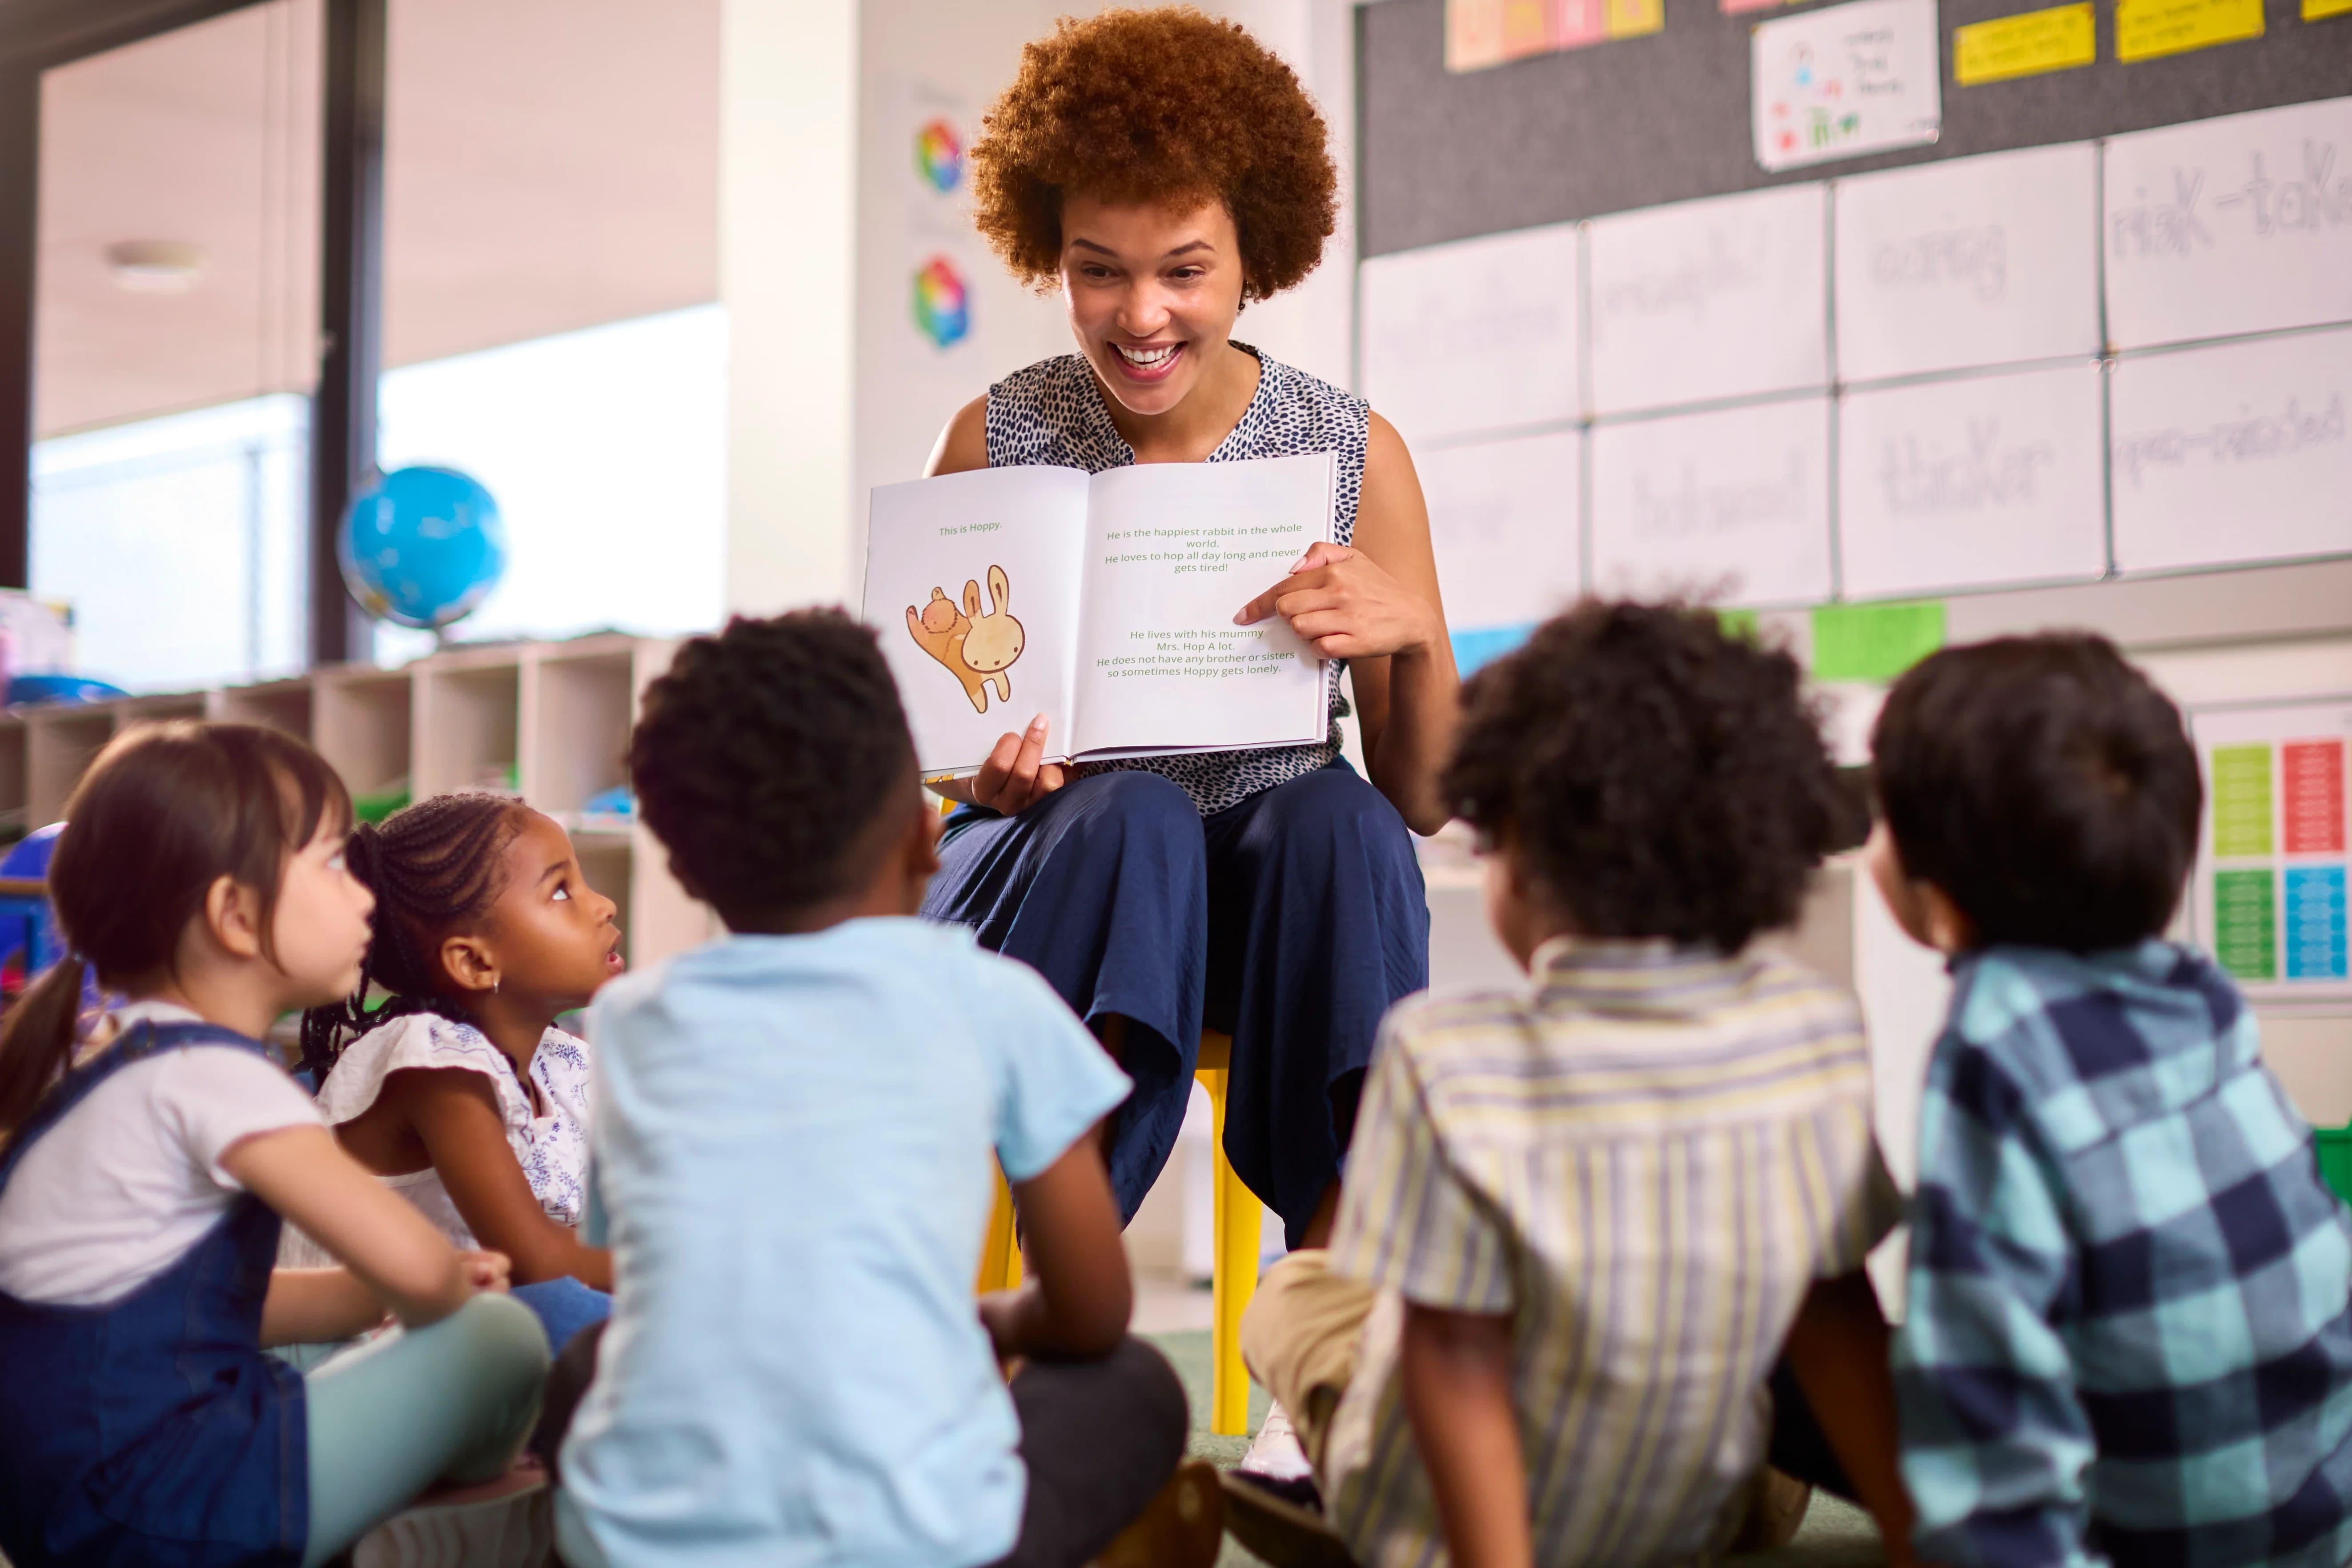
(1503, 518)
(1976, 261)
(1731, 504)
(1705, 300)
(1970, 483)
(1477, 336)
(2237, 224)
(2268, 900)
(2233, 453)
(1848, 80)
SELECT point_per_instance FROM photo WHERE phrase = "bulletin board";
(1639, 121)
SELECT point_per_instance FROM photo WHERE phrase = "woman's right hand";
(1016, 775)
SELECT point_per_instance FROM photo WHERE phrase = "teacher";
(1162, 171)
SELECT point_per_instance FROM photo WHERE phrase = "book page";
(1176, 549)
(973, 582)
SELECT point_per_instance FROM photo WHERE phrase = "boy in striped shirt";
(1582, 1218)
(2127, 1339)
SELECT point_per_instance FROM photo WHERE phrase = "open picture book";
(1104, 601)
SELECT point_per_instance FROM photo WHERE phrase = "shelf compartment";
(360, 723)
(469, 714)
(280, 705)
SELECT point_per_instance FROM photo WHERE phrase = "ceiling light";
(155, 266)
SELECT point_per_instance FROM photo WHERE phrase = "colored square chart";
(2245, 923)
(2242, 801)
(2311, 796)
(2315, 922)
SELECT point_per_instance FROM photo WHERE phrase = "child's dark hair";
(1654, 776)
(765, 754)
(165, 811)
(433, 867)
(2045, 786)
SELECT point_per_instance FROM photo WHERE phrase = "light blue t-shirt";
(791, 1148)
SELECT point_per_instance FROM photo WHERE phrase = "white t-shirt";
(130, 1179)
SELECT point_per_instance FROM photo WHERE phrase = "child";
(1581, 1219)
(201, 874)
(2127, 1337)
(460, 1092)
(791, 1142)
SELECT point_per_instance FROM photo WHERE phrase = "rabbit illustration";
(995, 639)
(941, 630)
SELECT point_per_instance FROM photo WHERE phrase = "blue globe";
(423, 547)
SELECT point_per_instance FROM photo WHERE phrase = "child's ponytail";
(36, 1038)
(165, 811)
(432, 867)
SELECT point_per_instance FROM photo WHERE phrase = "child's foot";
(1276, 1451)
(1181, 1528)
(1281, 1521)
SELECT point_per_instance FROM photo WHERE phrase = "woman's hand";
(1343, 605)
(1016, 777)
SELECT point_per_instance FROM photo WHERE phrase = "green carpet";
(1836, 1534)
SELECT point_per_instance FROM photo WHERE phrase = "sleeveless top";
(1053, 413)
(552, 1150)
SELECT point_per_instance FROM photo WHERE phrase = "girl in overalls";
(142, 1177)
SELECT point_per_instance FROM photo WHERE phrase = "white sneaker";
(1276, 1451)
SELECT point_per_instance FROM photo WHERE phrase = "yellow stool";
(1235, 1277)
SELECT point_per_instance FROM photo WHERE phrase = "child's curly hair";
(1653, 774)
(1156, 106)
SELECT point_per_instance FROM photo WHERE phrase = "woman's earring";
(496, 983)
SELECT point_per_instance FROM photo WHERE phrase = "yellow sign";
(2320, 10)
(1632, 19)
(2148, 29)
(2028, 44)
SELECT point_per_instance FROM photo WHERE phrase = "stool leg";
(1236, 1212)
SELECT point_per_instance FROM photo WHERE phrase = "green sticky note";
(1875, 642)
(1743, 625)
(2245, 924)
(2241, 800)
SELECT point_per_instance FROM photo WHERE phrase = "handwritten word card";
(1845, 81)
(1503, 518)
(1477, 336)
(2237, 224)
(2231, 453)
(2268, 900)
(1732, 503)
(1976, 261)
(1713, 299)
(1962, 484)
(2060, 38)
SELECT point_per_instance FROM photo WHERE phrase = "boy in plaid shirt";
(2127, 1338)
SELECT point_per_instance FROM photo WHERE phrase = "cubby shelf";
(549, 720)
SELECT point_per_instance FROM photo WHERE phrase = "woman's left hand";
(1344, 605)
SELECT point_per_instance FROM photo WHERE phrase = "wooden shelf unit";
(553, 718)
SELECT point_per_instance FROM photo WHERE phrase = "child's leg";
(1100, 1439)
(453, 1400)
(1301, 1337)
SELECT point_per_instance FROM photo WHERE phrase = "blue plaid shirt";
(2127, 1337)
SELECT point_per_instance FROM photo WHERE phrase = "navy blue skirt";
(1290, 922)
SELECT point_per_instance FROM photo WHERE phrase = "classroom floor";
(1836, 1534)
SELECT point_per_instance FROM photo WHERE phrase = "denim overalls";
(153, 1430)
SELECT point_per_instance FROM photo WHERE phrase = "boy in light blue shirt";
(791, 1148)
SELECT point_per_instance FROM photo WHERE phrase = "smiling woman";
(1163, 170)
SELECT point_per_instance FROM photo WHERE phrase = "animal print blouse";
(1053, 411)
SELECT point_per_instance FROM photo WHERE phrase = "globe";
(422, 546)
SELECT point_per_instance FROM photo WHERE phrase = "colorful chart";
(2269, 895)
(938, 155)
(943, 302)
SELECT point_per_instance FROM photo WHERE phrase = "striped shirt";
(1644, 1158)
(2128, 1338)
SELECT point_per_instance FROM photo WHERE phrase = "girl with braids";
(143, 1174)
(458, 1089)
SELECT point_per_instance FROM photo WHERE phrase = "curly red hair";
(1162, 106)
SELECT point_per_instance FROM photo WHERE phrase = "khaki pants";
(1302, 1339)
